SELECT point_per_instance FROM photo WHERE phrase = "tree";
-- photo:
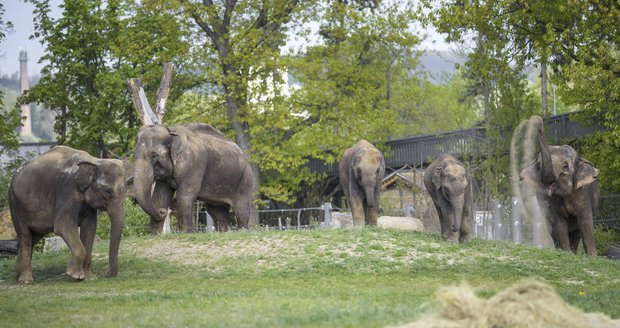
(91, 50)
(239, 49)
(9, 120)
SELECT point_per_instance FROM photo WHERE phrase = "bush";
(136, 222)
(604, 238)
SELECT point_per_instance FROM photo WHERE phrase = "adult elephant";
(361, 173)
(197, 162)
(567, 192)
(447, 183)
(59, 192)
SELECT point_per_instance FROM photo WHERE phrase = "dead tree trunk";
(145, 112)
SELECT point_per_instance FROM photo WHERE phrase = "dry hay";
(526, 304)
(7, 231)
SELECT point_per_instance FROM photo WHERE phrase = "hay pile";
(7, 231)
(526, 304)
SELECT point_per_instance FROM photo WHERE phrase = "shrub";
(136, 222)
(604, 238)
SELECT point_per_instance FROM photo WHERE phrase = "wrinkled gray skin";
(197, 162)
(59, 192)
(361, 172)
(567, 192)
(447, 183)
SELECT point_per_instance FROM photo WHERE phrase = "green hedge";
(136, 222)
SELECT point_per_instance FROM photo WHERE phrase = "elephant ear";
(437, 177)
(85, 173)
(586, 173)
(531, 175)
(175, 145)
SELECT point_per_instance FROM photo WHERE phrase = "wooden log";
(162, 92)
(141, 104)
(8, 247)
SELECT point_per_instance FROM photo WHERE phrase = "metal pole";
(516, 220)
(299, 219)
(497, 220)
(327, 207)
(210, 227)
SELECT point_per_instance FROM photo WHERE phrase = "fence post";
(288, 223)
(210, 227)
(299, 219)
(497, 220)
(327, 207)
(279, 222)
(516, 220)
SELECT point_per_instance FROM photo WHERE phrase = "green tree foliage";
(578, 39)
(350, 84)
(10, 119)
(91, 50)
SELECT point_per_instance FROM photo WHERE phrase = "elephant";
(60, 191)
(448, 184)
(191, 162)
(361, 169)
(567, 192)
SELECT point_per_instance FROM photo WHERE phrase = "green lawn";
(320, 278)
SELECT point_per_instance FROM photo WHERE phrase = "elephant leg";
(586, 227)
(357, 210)
(560, 231)
(465, 232)
(69, 232)
(242, 211)
(162, 197)
(442, 222)
(574, 239)
(220, 215)
(87, 236)
(23, 263)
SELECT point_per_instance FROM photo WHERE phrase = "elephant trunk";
(546, 167)
(369, 189)
(457, 206)
(143, 184)
(117, 222)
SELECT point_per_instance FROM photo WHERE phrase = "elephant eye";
(378, 169)
(109, 192)
(565, 168)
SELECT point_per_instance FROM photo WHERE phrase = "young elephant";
(361, 173)
(59, 192)
(447, 182)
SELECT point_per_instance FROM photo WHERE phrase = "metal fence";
(503, 221)
(273, 219)
(422, 149)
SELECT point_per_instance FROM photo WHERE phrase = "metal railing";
(423, 149)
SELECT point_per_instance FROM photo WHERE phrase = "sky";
(20, 14)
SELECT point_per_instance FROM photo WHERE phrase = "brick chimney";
(26, 129)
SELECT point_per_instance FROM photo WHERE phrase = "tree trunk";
(543, 88)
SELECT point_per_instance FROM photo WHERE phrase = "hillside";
(315, 278)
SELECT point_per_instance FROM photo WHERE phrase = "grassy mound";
(326, 278)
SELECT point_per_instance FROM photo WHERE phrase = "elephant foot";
(88, 275)
(465, 238)
(76, 274)
(25, 279)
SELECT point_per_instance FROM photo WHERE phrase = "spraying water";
(522, 152)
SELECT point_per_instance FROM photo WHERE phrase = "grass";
(320, 278)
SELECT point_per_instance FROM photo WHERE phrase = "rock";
(342, 220)
(399, 222)
(53, 244)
